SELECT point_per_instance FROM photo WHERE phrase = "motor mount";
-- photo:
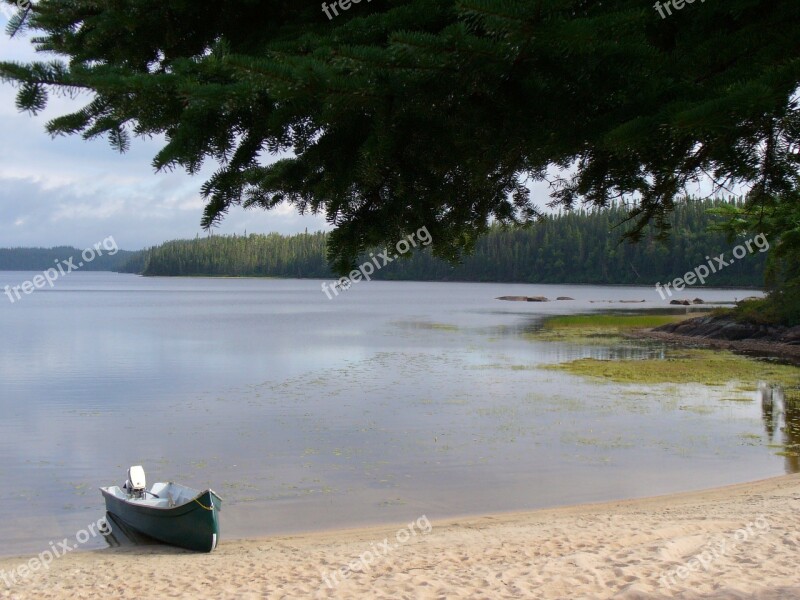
(136, 484)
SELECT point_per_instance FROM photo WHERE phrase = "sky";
(67, 191)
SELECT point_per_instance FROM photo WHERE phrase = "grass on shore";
(599, 328)
(704, 366)
(618, 322)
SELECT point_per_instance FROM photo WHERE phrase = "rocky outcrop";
(723, 328)
(726, 334)
(791, 336)
(564, 298)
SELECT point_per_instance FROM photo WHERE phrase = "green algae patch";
(704, 366)
(426, 325)
(442, 327)
(599, 328)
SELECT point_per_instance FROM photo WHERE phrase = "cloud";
(152, 212)
(65, 190)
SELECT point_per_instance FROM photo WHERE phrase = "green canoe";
(170, 513)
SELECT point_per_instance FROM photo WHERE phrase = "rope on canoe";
(204, 506)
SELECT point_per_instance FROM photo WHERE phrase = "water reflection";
(791, 432)
(766, 397)
(781, 414)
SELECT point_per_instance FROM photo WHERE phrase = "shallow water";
(391, 401)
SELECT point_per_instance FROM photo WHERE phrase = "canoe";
(118, 535)
(170, 513)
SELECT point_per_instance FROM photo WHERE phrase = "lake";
(391, 401)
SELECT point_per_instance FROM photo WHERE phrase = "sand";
(741, 541)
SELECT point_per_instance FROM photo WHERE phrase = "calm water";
(391, 401)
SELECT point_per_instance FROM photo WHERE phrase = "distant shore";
(699, 290)
(739, 541)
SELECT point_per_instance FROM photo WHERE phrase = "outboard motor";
(136, 485)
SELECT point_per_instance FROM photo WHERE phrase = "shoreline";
(767, 349)
(638, 548)
(333, 278)
(755, 288)
(368, 526)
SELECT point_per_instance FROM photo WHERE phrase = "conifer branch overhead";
(436, 113)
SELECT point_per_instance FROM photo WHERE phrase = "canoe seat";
(151, 502)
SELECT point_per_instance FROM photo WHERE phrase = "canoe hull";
(194, 525)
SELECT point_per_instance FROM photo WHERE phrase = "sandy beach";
(740, 541)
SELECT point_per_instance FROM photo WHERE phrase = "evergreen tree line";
(40, 259)
(574, 247)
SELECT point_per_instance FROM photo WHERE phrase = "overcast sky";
(66, 191)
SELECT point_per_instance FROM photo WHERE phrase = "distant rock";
(524, 298)
(632, 301)
(698, 301)
(564, 298)
(681, 302)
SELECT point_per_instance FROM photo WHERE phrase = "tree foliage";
(402, 114)
(576, 247)
(41, 259)
(782, 217)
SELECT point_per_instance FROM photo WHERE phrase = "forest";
(40, 259)
(583, 246)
